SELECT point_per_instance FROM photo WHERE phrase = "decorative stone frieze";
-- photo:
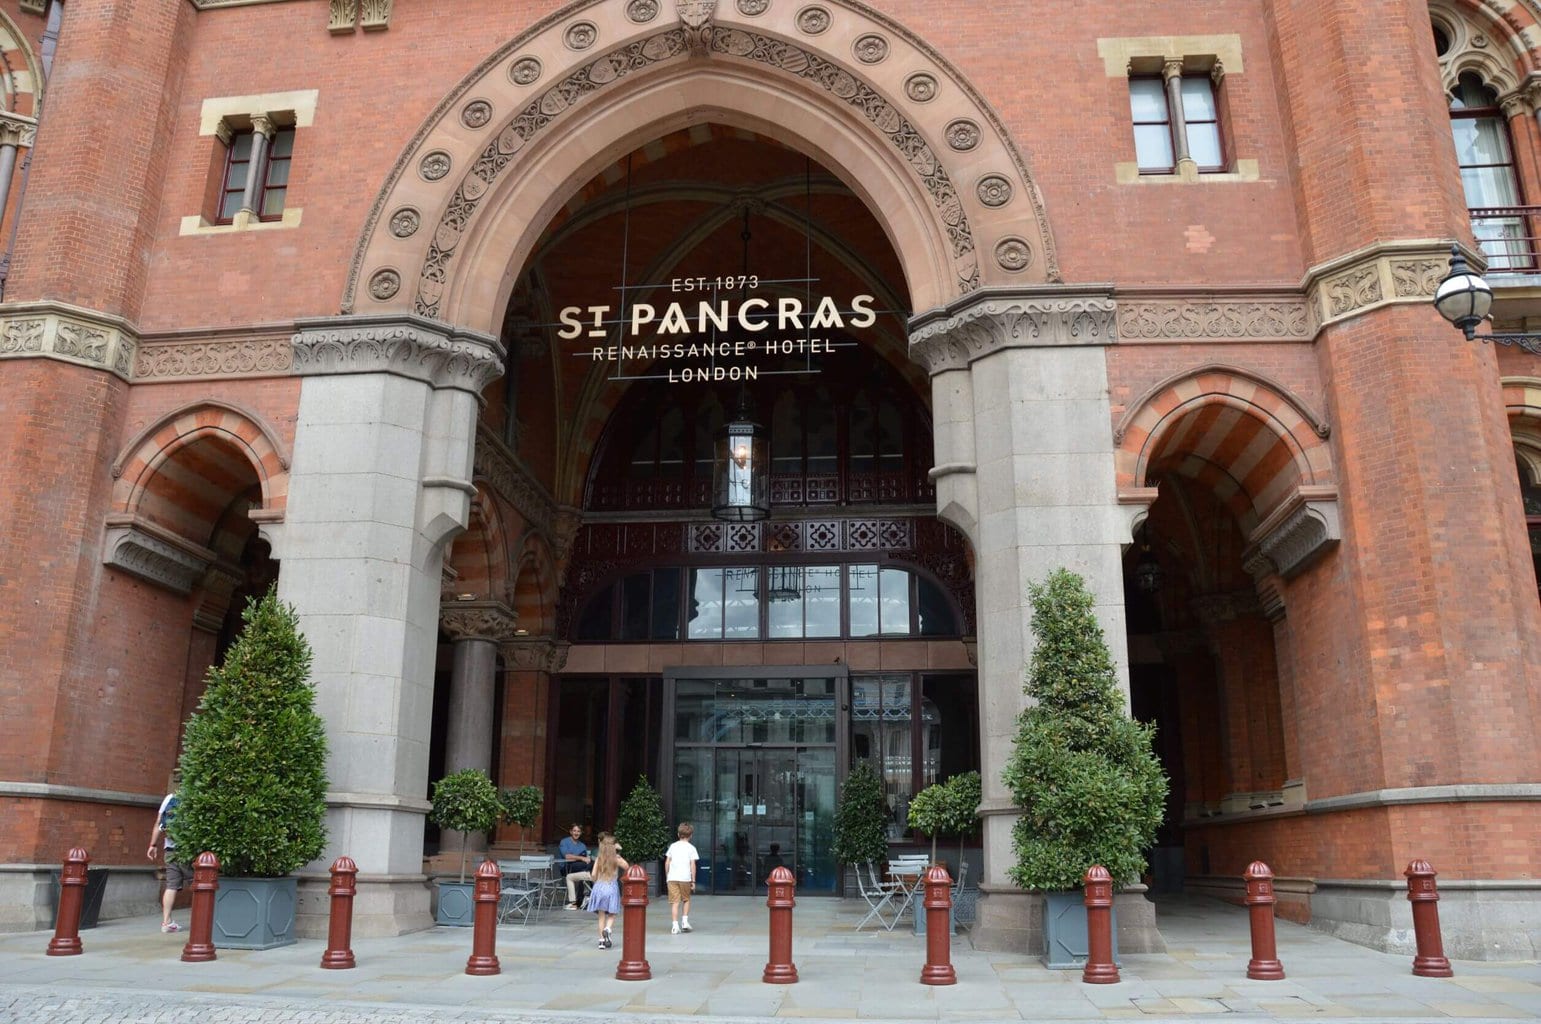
(53, 330)
(1269, 317)
(1376, 276)
(534, 654)
(508, 479)
(139, 550)
(408, 346)
(951, 338)
(17, 129)
(266, 356)
(697, 18)
(1296, 534)
(478, 620)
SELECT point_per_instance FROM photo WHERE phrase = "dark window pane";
(595, 620)
(936, 618)
(666, 604)
(636, 594)
(741, 604)
(950, 727)
(671, 444)
(229, 205)
(695, 706)
(273, 202)
(282, 144)
(823, 445)
(705, 610)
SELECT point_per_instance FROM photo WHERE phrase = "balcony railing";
(1510, 238)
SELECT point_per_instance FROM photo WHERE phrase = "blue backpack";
(166, 816)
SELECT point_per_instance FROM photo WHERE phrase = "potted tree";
(860, 819)
(946, 808)
(463, 801)
(253, 788)
(521, 807)
(1084, 773)
(640, 829)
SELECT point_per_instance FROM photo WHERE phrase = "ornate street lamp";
(1148, 574)
(1465, 299)
(740, 480)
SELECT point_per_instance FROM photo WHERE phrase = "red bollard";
(780, 898)
(1424, 896)
(484, 920)
(72, 896)
(200, 934)
(938, 904)
(339, 929)
(634, 965)
(1264, 965)
(1100, 968)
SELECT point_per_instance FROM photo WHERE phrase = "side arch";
(1247, 438)
(21, 76)
(535, 585)
(1522, 401)
(198, 440)
(493, 164)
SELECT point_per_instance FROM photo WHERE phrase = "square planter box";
(91, 906)
(1064, 927)
(254, 913)
(457, 907)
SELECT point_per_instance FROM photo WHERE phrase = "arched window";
(1486, 157)
(1530, 491)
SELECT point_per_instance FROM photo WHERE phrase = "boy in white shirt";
(679, 868)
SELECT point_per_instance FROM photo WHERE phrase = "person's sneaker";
(608, 944)
(603, 944)
(572, 906)
(171, 926)
(607, 936)
(685, 925)
(674, 929)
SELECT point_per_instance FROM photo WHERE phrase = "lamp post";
(1465, 299)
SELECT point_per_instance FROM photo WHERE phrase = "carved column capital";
(992, 319)
(535, 654)
(406, 345)
(1171, 69)
(262, 124)
(17, 129)
(1515, 104)
(477, 620)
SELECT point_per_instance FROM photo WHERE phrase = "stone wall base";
(26, 895)
(385, 905)
(1008, 920)
(1478, 920)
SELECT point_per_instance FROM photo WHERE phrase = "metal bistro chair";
(908, 871)
(879, 895)
(518, 895)
(541, 871)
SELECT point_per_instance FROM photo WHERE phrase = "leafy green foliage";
(466, 801)
(860, 821)
(253, 761)
(1084, 773)
(640, 826)
(521, 807)
(948, 808)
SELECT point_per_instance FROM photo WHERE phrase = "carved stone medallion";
(1014, 255)
(753, 8)
(642, 11)
(813, 20)
(434, 166)
(581, 35)
(476, 114)
(870, 49)
(962, 134)
(920, 87)
(405, 222)
(384, 284)
(993, 190)
(524, 71)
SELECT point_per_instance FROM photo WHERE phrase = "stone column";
(1024, 452)
(16, 130)
(379, 484)
(477, 627)
(262, 132)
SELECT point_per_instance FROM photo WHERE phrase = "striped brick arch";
(1247, 439)
(20, 76)
(185, 471)
(480, 556)
(535, 589)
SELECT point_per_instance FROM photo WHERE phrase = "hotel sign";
(712, 339)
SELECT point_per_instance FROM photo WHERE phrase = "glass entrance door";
(754, 771)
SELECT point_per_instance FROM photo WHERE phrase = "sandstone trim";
(477, 620)
(405, 345)
(972, 328)
(71, 334)
(1376, 276)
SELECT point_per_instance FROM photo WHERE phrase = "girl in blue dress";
(605, 899)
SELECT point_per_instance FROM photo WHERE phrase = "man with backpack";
(178, 873)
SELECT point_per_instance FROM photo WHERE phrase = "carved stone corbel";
(17, 129)
(493, 621)
(697, 17)
(535, 654)
(343, 17)
(155, 555)
(1297, 533)
(375, 15)
(992, 319)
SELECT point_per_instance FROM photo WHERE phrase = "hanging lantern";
(1148, 574)
(740, 483)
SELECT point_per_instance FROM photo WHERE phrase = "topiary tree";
(947, 808)
(253, 762)
(860, 820)
(1085, 774)
(640, 827)
(466, 801)
(522, 807)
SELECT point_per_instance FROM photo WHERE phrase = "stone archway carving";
(854, 89)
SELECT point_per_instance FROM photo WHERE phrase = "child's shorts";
(679, 892)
